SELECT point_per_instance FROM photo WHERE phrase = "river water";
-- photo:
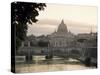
(40, 64)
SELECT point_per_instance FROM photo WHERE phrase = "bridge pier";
(29, 58)
(49, 56)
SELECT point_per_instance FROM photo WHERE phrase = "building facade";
(62, 40)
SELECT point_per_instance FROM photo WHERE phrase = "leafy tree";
(22, 14)
(81, 40)
(42, 43)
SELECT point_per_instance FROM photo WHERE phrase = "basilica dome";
(62, 27)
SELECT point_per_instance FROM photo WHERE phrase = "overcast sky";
(79, 19)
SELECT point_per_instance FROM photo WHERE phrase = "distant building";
(62, 39)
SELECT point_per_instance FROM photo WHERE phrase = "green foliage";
(23, 13)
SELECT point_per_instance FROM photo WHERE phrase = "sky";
(79, 19)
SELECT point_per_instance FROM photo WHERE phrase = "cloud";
(48, 21)
(69, 23)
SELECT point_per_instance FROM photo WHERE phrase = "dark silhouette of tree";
(88, 61)
(75, 52)
(43, 43)
(23, 13)
(81, 40)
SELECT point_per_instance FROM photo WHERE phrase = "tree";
(22, 14)
(81, 40)
(42, 43)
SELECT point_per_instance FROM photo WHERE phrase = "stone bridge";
(77, 53)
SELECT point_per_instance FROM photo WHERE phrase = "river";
(40, 64)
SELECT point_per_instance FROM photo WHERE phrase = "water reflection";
(40, 64)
